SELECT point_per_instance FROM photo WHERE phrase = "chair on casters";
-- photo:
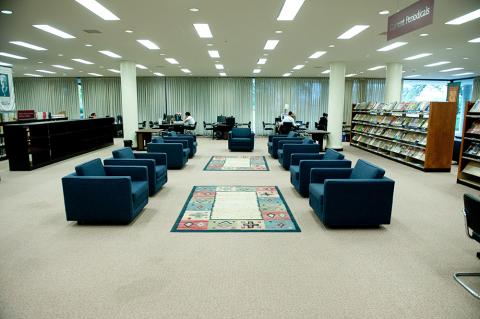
(190, 128)
(471, 213)
(285, 128)
(142, 125)
(265, 128)
(208, 127)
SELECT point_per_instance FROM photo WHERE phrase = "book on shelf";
(476, 107)
(472, 168)
(474, 128)
(473, 149)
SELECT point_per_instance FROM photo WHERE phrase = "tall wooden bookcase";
(469, 163)
(423, 140)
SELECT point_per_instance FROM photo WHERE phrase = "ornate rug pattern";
(237, 163)
(235, 209)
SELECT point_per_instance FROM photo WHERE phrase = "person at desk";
(189, 120)
(93, 116)
(288, 119)
(322, 123)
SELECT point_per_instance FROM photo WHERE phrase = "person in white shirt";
(189, 120)
(288, 118)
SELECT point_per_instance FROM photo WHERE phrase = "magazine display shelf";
(469, 163)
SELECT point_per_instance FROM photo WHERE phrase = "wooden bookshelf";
(422, 139)
(469, 163)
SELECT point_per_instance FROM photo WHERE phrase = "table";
(318, 135)
(144, 136)
(222, 129)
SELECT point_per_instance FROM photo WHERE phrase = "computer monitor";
(278, 119)
(178, 117)
(299, 122)
(230, 120)
(221, 119)
(169, 119)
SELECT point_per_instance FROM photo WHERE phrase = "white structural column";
(393, 83)
(336, 98)
(128, 73)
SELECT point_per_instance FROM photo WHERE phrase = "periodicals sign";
(411, 18)
(7, 97)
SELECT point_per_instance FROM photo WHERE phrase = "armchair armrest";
(297, 157)
(164, 147)
(319, 175)
(160, 158)
(137, 173)
(282, 143)
(177, 141)
(271, 137)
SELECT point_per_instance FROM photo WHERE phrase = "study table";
(144, 136)
(318, 135)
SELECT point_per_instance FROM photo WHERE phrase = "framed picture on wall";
(453, 91)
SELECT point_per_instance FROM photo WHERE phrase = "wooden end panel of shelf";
(440, 136)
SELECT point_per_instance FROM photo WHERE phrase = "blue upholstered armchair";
(156, 164)
(287, 148)
(274, 139)
(359, 196)
(191, 141)
(241, 139)
(302, 163)
(105, 194)
(177, 151)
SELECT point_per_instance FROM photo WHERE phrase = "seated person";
(189, 120)
(93, 116)
(288, 119)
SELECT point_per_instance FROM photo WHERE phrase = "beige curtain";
(102, 96)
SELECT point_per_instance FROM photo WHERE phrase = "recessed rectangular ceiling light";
(298, 67)
(110, 54)
(34, 75)
(95, 74)
(171, 60)
(219, 66)
(82, 61)
(317, 54)
(62, 67)
(113, 70)
(326, 72)
(45, 71)
(289, 10)
(353, 31)
(413, 76)
(149, 44)
(437, 63)
(377, 68)
(13, 56)
(465, 18)
(350, 75)
(186, 71)
(223, 74)
(392, 46)
(159, 74)
(203, 30)
(28, 45)
(287, 74)
(476, 40)
(257, 71)
(5, 64)
(418, 56)
(451, 70)
(262, 61)
(98, 9)
(140, 66)
(54, 31)
(213, 54)
(271, 44)
(465, 73)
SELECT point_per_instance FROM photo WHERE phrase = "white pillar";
(128, 74)
(393, 83)
(336, 98)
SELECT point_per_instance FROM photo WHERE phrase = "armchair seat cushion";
(160, 171)
(139, 189)
(317, 190)
(242, 140)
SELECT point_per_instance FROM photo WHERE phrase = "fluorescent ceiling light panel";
(34, 75)
(82, 61)
(54, 31)
(223, 74)
(219, 66)
(465, 18)
(290, 9)
(418, 56)
(171, 60)
(465, 73)
(149, 44)
(262, 61)
(28, 45)
(257, 71)
(298, 67)
(45, 71)
(437, 64)
(62, 67)
(476, 40)
(353, 31)
(326, 72)
(350, 75)
(377, 68)
(98, 9)
(287, 74)
(95, 74)
(451, 70)
(13, 56)
(159, 74)
(113, 70)
(383, 12)
(5, 64)
(317, 54)
(110, 54)
(271, 44)
(413, 76)
(140, 66)
(392, 46)
(213, 53)
(203, 30)
(6, 12)
(186, 71)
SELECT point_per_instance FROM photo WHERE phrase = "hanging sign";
(7, 98)
(411, 18)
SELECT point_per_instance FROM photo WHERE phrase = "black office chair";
(265, 128)
(208, 127)
(190, 128)
(471, 213)
(142, 124)
(249, 124)
(150, 124)
(286, 127)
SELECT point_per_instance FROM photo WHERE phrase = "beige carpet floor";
(50, 268)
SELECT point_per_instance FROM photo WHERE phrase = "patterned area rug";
(235, 209)
(237, 163)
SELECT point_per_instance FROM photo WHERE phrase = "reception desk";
(33, 145)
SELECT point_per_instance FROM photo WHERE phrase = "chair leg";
(457, 276)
